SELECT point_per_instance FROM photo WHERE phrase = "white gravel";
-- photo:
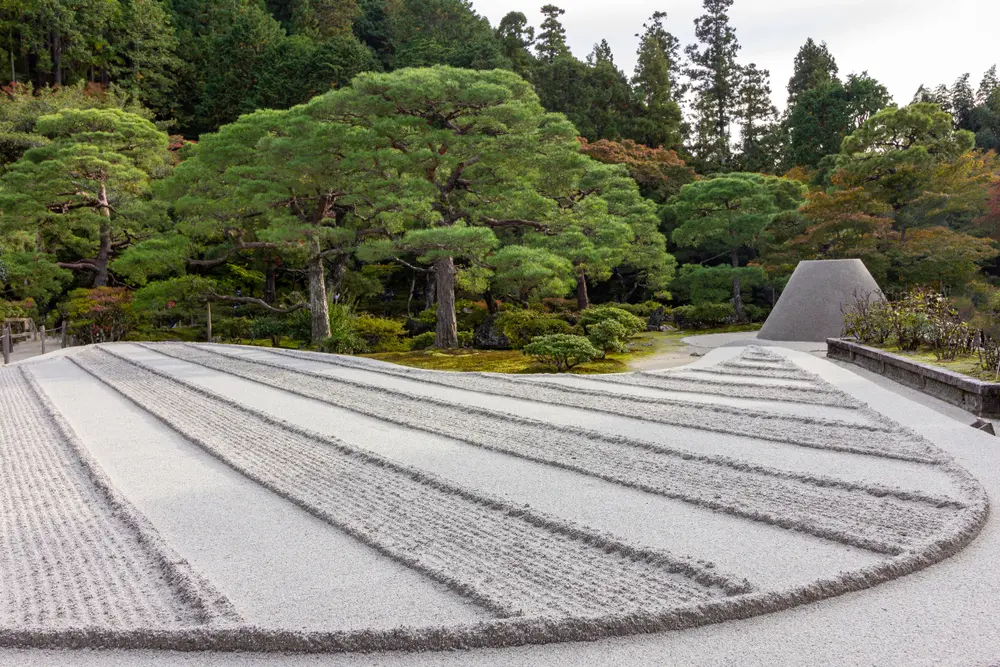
(235, 533)
(74, 553)
(568, 532)
(822, 507)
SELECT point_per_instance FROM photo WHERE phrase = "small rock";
(984, 426)
(697, 354)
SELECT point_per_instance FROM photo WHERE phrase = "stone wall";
(978, 397)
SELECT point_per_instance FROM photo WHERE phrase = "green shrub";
(609, 336)
(466, 339)
(232, 328)
(378, 334)
(756, 313)
(270, 326)
(629, 322)
(561, 352)
(704, 315)
(644, 309)
(469, 314)
(521, 326)
(422, 342)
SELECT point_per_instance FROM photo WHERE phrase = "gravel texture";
(543, 578)
(880, 519)
(74, 553)
(304, 573)
(879, 438)
(509, 560)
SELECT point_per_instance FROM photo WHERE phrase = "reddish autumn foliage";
(659, 172)
(990, 222)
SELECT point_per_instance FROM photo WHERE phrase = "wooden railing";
(26, 329)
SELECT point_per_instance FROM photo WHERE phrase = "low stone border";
(980, 398)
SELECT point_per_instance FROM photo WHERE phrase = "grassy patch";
(490, 361)
(513, 361)
(964, 364)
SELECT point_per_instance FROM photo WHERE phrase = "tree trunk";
(741, 315)
(104, 254)
(491, 303)
(430, 291)
(446, 334)
(317, 294)
(337, 272)
(582, 298)
(270, 283)
(56, 59)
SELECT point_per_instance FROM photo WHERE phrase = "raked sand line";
(879, 438)
(786, 393)
(875, 518)
(521, 631)
(510, 560)
(659, 409)
(305, 574)
(818, 395)
(74, 553)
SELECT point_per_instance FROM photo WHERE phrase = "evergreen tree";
(715, 76)
(84, 195)
(322, 19)
(963, 100)
(551, 41)
(516, 38)
(442, 32)
(823, 116)
(730, 214)
(654, 82)
(815, 66)
(989, 84)
(601, 54)
(756, 115)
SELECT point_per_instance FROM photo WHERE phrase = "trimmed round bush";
(561, 352)
(522, 326)
(629, 322)
(609, 336)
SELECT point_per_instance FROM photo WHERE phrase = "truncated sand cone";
(812, 306)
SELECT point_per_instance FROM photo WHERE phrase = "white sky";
(902, 43)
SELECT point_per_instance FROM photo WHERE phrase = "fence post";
(65, 334)
(208, 310)
(5, 343)
(43, 338)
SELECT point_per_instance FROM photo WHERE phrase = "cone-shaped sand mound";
(811, 306)
(206, 497)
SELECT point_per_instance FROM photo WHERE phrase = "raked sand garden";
(207, 504)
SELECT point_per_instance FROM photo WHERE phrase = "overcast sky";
(902, 43)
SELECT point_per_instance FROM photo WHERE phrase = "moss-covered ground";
(513, 361)
(967, 364)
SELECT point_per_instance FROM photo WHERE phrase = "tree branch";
(515, 223)
(212, 296)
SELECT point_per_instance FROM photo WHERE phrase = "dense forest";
(369, 175)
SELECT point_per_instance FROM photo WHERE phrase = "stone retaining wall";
(978, 397)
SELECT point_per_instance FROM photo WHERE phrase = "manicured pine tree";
(730, 214)
(84, 194)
